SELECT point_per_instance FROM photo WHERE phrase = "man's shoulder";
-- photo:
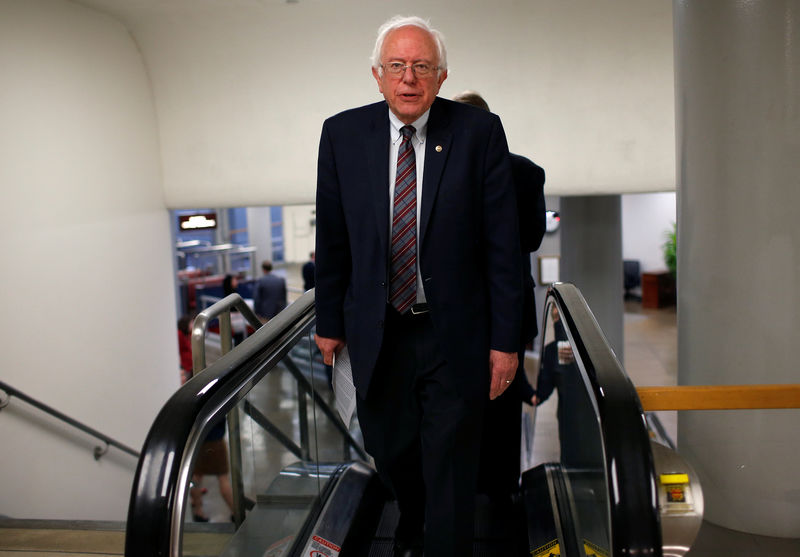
(524, 163)
(361, 113)
(462, 113)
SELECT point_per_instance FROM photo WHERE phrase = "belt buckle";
(419, 309)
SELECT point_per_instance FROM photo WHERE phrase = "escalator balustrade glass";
(590, 446)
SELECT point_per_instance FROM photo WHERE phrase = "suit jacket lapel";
(377, 150)
(437, 148)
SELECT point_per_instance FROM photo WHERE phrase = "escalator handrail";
(158, 495)
(629, 467)
(201, 322)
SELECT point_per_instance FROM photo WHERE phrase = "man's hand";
(329, 347)
(503, 367)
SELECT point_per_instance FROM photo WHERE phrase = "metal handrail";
(222, 311)
(160, 489)
(222, 308)
(98, 451)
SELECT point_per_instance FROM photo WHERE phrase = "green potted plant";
(670, 247)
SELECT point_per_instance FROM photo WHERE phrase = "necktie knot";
(407, 132)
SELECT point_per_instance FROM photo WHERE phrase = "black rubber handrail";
(158, 497)
(98, 451)
(635, 527)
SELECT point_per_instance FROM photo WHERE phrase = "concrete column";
(259, 232)
(738, 146)
(551, 245)
(591, 258)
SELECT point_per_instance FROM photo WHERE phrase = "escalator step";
(388, 522)
(499, 532)
(381, 548)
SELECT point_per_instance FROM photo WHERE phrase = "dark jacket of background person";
(500, 451)
(529, 184)
(500, 454)
(308, 275)
(269, 296)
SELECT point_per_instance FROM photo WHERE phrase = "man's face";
(409, 96)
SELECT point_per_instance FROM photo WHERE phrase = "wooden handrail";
(719, 397)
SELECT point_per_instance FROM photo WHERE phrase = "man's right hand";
(329, 347)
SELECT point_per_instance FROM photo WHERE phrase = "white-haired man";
(418, 273)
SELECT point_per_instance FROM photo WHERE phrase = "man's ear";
(377, 77)
(442, 77)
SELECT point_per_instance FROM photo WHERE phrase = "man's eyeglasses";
(420, 69)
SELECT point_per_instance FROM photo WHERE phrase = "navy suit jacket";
(269, 296)
(468, 245)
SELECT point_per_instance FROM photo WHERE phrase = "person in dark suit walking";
(500, 458)
(269, 293)
(419, 275)
(308, 271)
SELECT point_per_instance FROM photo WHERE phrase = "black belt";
(416, 310)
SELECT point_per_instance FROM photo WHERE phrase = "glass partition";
(236, 461)
(282, 440)
(575, 441)
(590, 437)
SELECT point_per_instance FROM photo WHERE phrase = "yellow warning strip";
(593, 550)
(669, 479)
(549, 549)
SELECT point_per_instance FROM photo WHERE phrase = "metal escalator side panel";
(680, 500)
(549, 511)
(633, 522)
(345, 512)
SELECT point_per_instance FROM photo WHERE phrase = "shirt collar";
(420, 125)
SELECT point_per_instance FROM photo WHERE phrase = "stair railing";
(7, 391)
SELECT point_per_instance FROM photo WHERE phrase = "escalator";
(303, 486)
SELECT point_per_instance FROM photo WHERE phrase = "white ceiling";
(584, 88)
(132, 12)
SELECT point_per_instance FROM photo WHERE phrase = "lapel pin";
(438, 148)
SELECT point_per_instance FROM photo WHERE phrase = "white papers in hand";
(343, 388)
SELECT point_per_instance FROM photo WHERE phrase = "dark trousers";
(424, 436)
(500, 451)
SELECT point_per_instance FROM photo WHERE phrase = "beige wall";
(88, 306)
(584, 88)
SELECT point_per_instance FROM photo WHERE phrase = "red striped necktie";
(403, 266)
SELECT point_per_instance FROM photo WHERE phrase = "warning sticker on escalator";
(320, 547)
(676, 494)
(551, 549)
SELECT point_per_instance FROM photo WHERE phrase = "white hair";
(399, 21)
